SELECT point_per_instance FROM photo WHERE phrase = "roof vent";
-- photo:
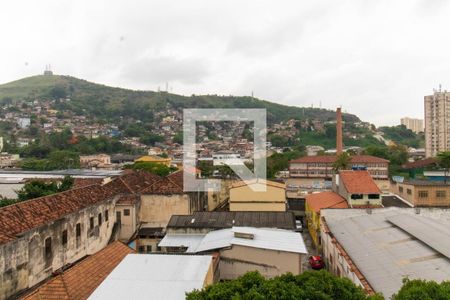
(244, 235)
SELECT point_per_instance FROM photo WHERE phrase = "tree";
(444, 162)
(178, 138)
(38, 188)
(152, 167)
(342, 162)
(423, 290)
(58, 92)
(150, 139)
(378, 151)
(309, 285)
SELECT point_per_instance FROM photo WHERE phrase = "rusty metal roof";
(228, 219)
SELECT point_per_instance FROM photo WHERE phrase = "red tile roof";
(134, 181)
(358, 182)
(171, 184)
(420, 163)
(323, 200)
(356, 159)
(80, 281)
(80, 182)
(30, 214)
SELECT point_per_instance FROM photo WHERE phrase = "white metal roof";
(191, 241)
(154, 276)
(265, 238)
(386, 245)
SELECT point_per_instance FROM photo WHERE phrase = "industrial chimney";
(338, 131)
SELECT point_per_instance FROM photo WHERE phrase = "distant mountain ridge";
(101, 101)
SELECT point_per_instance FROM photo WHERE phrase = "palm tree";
(444, 162)
(342, 162)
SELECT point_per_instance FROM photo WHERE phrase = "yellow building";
(316, 202)
(154, 159)
(250, 196)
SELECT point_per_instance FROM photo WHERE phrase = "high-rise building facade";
(416, 125)
(437, 123)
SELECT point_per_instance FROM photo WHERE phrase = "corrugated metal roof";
(153, 276)
(264, 238)
(191, 241)
(431, 232)
(274, 239)
(383, 252)
(224, 219)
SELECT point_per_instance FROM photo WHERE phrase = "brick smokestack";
(339, 147)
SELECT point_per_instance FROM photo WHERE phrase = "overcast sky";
(375, 58)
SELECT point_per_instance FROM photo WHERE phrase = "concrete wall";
(243, 198)
(23, 263)
(335, 260)
(412, 194)
(157, 209)
(239, 260)
(343, 192)
(129, 223)
(216, 198)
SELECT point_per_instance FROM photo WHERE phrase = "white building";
(272, 252)
(24, 122)
(437, 123)
(226, 158)
(416, 125)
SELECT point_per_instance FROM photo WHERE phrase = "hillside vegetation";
(109, 102)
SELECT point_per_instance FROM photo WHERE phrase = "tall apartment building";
(437, 123)
(415, 125)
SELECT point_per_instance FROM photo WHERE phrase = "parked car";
(298, 226)
(316, 262)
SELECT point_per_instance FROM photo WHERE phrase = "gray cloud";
(376, 58)
(165, 69)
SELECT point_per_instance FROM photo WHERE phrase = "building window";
(106, 216)
(78, 230)
(99, 219)
(440, 194)
(126, 212)
(423, 194)
(141, 249)
(374, 196)
(357, 196)
(149, 248)
(91, 223)
(400, 189)
(408, 191)
(64, 237)
(48, 248)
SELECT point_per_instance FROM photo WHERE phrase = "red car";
(316, 262)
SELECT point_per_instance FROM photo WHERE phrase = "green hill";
(100, 101)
